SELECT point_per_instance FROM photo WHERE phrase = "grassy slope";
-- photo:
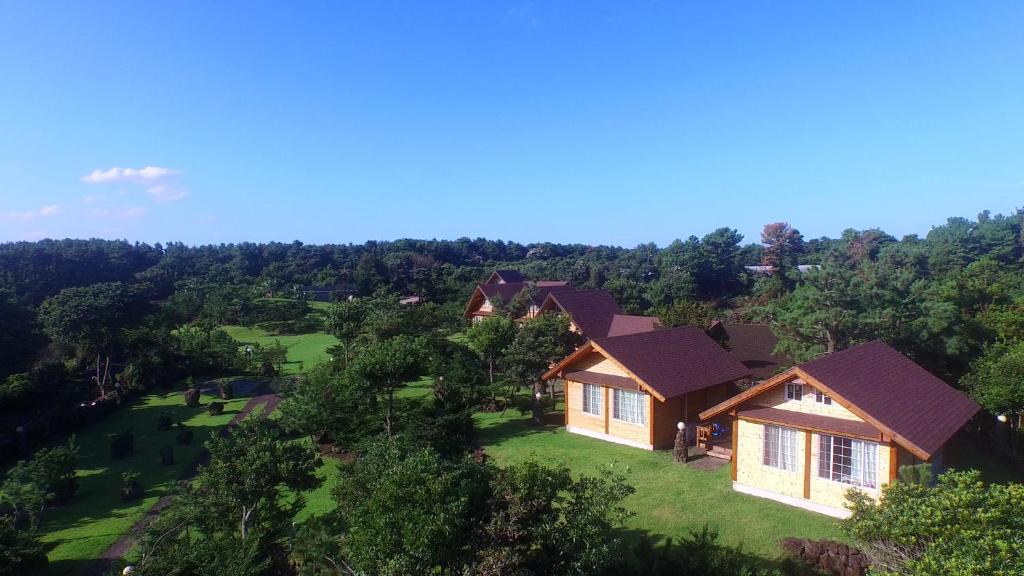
(670, 500)
(304, 350)
(96, 517)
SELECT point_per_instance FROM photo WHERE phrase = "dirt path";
(125, 542)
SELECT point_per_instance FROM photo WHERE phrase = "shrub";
(192, 397)
(165, 422)
(215, 408)
(167, 455)
(184, 435)
(57, 470)
(227, 390)
(130, 487)
(122, 444)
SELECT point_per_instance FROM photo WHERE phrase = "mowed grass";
(304, 350)
(671, 499)
(95, 518)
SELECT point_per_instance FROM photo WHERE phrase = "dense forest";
(84, 320)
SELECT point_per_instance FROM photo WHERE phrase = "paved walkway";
(125, 542)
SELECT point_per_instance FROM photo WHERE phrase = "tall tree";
(490, 337)
(384, 367)
(92, 321)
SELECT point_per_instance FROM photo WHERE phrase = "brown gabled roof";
(541, 291)
(507, 291)
(754, 345)
(624, 324)
(886, 389)
(591, 311)
(817, 422)
(896, 392)
(668, 363)
(610, 380)
(506, 276)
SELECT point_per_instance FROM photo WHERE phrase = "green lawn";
(304, 350)
(671, 499)
(94, 519)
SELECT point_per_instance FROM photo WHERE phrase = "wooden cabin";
(482, 303)
(505, 277)
(635, 389)
(595, 314)
(753, 345)
(848, 420)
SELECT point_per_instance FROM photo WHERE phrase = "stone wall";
(832, 557)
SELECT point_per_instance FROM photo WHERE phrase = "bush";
(215, 408)
(122, 444)
(165, 422)
(227, 390)
(167, 455)
(130, 487)
(184, 435)
(192, 397)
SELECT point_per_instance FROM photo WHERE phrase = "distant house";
(847, 420)
(410, 301)
(754, 346)
(769, 270)
(325, 293)
(635, 389)
(506, 285)
(505, 277)
(595, 314)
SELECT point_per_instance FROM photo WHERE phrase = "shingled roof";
(592, 311)
(669, 362)
(886, 389)
(506, 276)
(899, 394)
(624, 324)
(754, 345)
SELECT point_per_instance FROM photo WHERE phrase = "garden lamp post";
(538, 409)
(680, 450)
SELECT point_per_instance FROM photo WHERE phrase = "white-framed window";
(630, 406)
(822, 398)
(780, 448)
(848, 461)
(794, 391)
(592, 399)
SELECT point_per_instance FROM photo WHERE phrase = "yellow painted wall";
(577, 418)
(776, 398)
(595, 362)
(751, 471)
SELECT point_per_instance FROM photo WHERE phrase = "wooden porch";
(715, 439)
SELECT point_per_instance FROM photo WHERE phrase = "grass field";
(94, 519)
(671, 499)
(304, 350)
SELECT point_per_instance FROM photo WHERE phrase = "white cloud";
(140, 176)
(90, 199)
(160, 183)
(44, 212)
(167, 192)
(120, 214)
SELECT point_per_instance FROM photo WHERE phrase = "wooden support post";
(735, 444)
(807, 464)
(607, 408)
(894, 461)
(565, 399)
(650, 418)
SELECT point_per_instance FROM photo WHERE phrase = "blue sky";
(593, 122)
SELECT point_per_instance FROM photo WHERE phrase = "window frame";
(778, 447)
(853, 463)
(641, 406)
(822, 398)
(794, 391)
(588, 401)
